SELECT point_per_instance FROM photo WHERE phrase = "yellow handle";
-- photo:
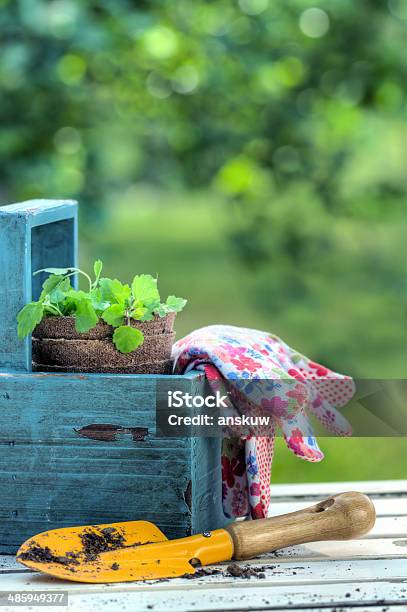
(341, 517)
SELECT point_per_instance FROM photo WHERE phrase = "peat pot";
(58, 347)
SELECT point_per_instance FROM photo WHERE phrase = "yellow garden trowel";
(138, 550)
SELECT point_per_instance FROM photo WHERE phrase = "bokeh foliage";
(250, 151)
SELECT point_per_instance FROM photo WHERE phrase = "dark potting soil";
(42, 554)
(233, 569)
(238, 571)
(95, 543)
(201, 571)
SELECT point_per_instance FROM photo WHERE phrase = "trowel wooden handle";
(341, 517)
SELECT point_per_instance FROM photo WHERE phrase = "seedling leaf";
(28, 318)
(162, 310)
(144, 289)
(61, 290)
(138, 313)
(50, 283)
(114, 291)
(57, 271)
(114, 315)
(127, 339)
(148, 316)
(85, 316)
(97, 302)
(175, 304)
(97, 268)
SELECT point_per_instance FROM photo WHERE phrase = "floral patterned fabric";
(240, 358)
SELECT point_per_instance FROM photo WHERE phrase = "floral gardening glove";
(241, 358)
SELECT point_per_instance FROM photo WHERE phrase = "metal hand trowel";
(138, 550)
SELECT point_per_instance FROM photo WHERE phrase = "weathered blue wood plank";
(114, 493)
(206, 485)
(149, 446)
(15, 284)
(206, 474)
(28, 243)
(56, 407)
(130, 459)
(40, 212)
(57, 471)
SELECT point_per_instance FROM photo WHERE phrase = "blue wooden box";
(81, 448)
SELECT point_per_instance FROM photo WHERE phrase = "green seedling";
(105, 299)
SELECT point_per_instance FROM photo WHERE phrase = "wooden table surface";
(365, 574)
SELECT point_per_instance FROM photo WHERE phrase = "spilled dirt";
(94, 543)
(43, 554)
(246, 571)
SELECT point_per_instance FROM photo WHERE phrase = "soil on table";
(233, 569)
(239, 571)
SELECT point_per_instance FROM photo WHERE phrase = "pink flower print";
(299, 393)
(259, 349)
(330, 416)
(227, 472)
(255, 489)
(319, 369)
(317, 401)
(212, 373)
(223, 353)
(258, 511)
(295, 441)
(298, 446)
(296, 374)
(234, 351)
(239, 500)
(238, 356)
(242, 362)
(276, 405)
(230, 469)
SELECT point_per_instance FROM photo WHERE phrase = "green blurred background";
(251, 152)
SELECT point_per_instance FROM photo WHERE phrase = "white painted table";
(366, 574)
